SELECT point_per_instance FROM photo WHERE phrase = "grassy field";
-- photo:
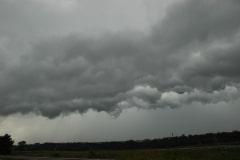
(155, 154)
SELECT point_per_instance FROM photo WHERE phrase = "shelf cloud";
(189, 56)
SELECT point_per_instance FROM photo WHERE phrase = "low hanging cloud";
(190, 56)
(147, 97)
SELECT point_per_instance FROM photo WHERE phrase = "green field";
(154, 154)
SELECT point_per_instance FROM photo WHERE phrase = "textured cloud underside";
(190, 56)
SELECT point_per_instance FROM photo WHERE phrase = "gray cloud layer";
(189, 56)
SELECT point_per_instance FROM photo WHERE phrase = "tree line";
(223, 138)
(168, 142)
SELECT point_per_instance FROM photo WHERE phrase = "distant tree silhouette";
(21, 145)
(208, 139)
(6, 144)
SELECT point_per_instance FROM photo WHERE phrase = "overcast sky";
(90, 70)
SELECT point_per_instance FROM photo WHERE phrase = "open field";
(211, 153)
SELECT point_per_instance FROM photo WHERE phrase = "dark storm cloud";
(192, 22)
(190, 56)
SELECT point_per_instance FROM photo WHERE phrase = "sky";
(110, 70)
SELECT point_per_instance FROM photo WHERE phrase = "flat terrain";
(39, 158)
(203, 153)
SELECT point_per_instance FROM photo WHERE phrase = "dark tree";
(6, 144)
(21, 145)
